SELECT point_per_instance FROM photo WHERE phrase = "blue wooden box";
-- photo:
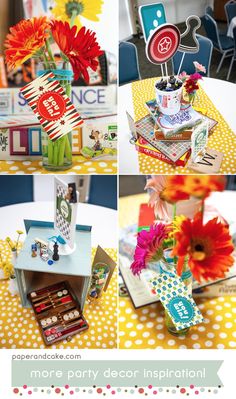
(33, 273)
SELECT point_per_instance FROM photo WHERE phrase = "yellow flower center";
(29, 43)
(74, 7)
(201, 249)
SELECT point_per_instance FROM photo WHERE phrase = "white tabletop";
(103, 220)
(221, 93)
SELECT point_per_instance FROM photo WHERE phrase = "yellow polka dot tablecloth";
(223, 138)
(144, 328)
(80, 167)
(19, 329)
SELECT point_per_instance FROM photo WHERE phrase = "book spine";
(182, 162)
(181, 137)
(162, 157)
(154, 154)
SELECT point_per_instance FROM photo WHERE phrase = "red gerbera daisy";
(191, 86)
(81, 48)
(209, 248)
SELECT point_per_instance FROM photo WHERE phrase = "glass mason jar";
(57, 155)
(186, 277)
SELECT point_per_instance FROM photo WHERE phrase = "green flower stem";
(46, 62)
(202, 208)
(68, 152)
(61, 150)
(50, 151)
(55, 154)
(49, 50)
(73, 16)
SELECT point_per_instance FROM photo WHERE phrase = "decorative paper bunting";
(47, 98)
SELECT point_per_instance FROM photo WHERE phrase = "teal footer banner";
(126, 373)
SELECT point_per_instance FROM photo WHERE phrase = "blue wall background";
(103, 191)
(17, 189)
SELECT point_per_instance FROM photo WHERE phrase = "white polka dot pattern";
(79, 167)
(151, 332)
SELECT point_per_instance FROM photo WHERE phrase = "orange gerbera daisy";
(81, 48)
(182, 187)
(25, 39)
(174, 190)
(202, 186)
(209, 248)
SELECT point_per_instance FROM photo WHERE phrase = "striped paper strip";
(48, 100)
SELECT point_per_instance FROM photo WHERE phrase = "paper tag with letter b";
(176, 299)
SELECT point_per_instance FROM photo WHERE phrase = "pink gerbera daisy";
(149, 247)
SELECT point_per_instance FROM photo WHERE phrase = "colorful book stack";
(168, 137)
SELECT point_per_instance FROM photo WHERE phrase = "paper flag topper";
(151, 16)
(188, 39)
(53, 108)
(163, 44)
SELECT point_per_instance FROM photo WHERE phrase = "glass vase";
(57, 155)
(13, 286)
(186, 277)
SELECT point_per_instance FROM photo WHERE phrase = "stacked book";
(168, 137)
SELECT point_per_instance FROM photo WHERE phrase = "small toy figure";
(34, 250)
(55, 255)
(44, 254)
(96, 136)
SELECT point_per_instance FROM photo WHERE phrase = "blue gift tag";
(175, 297)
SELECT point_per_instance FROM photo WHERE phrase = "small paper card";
(209, 163)
(199, 139)
(176, 299)
(47, 98)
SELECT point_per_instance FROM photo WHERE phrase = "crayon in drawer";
(57, 312)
